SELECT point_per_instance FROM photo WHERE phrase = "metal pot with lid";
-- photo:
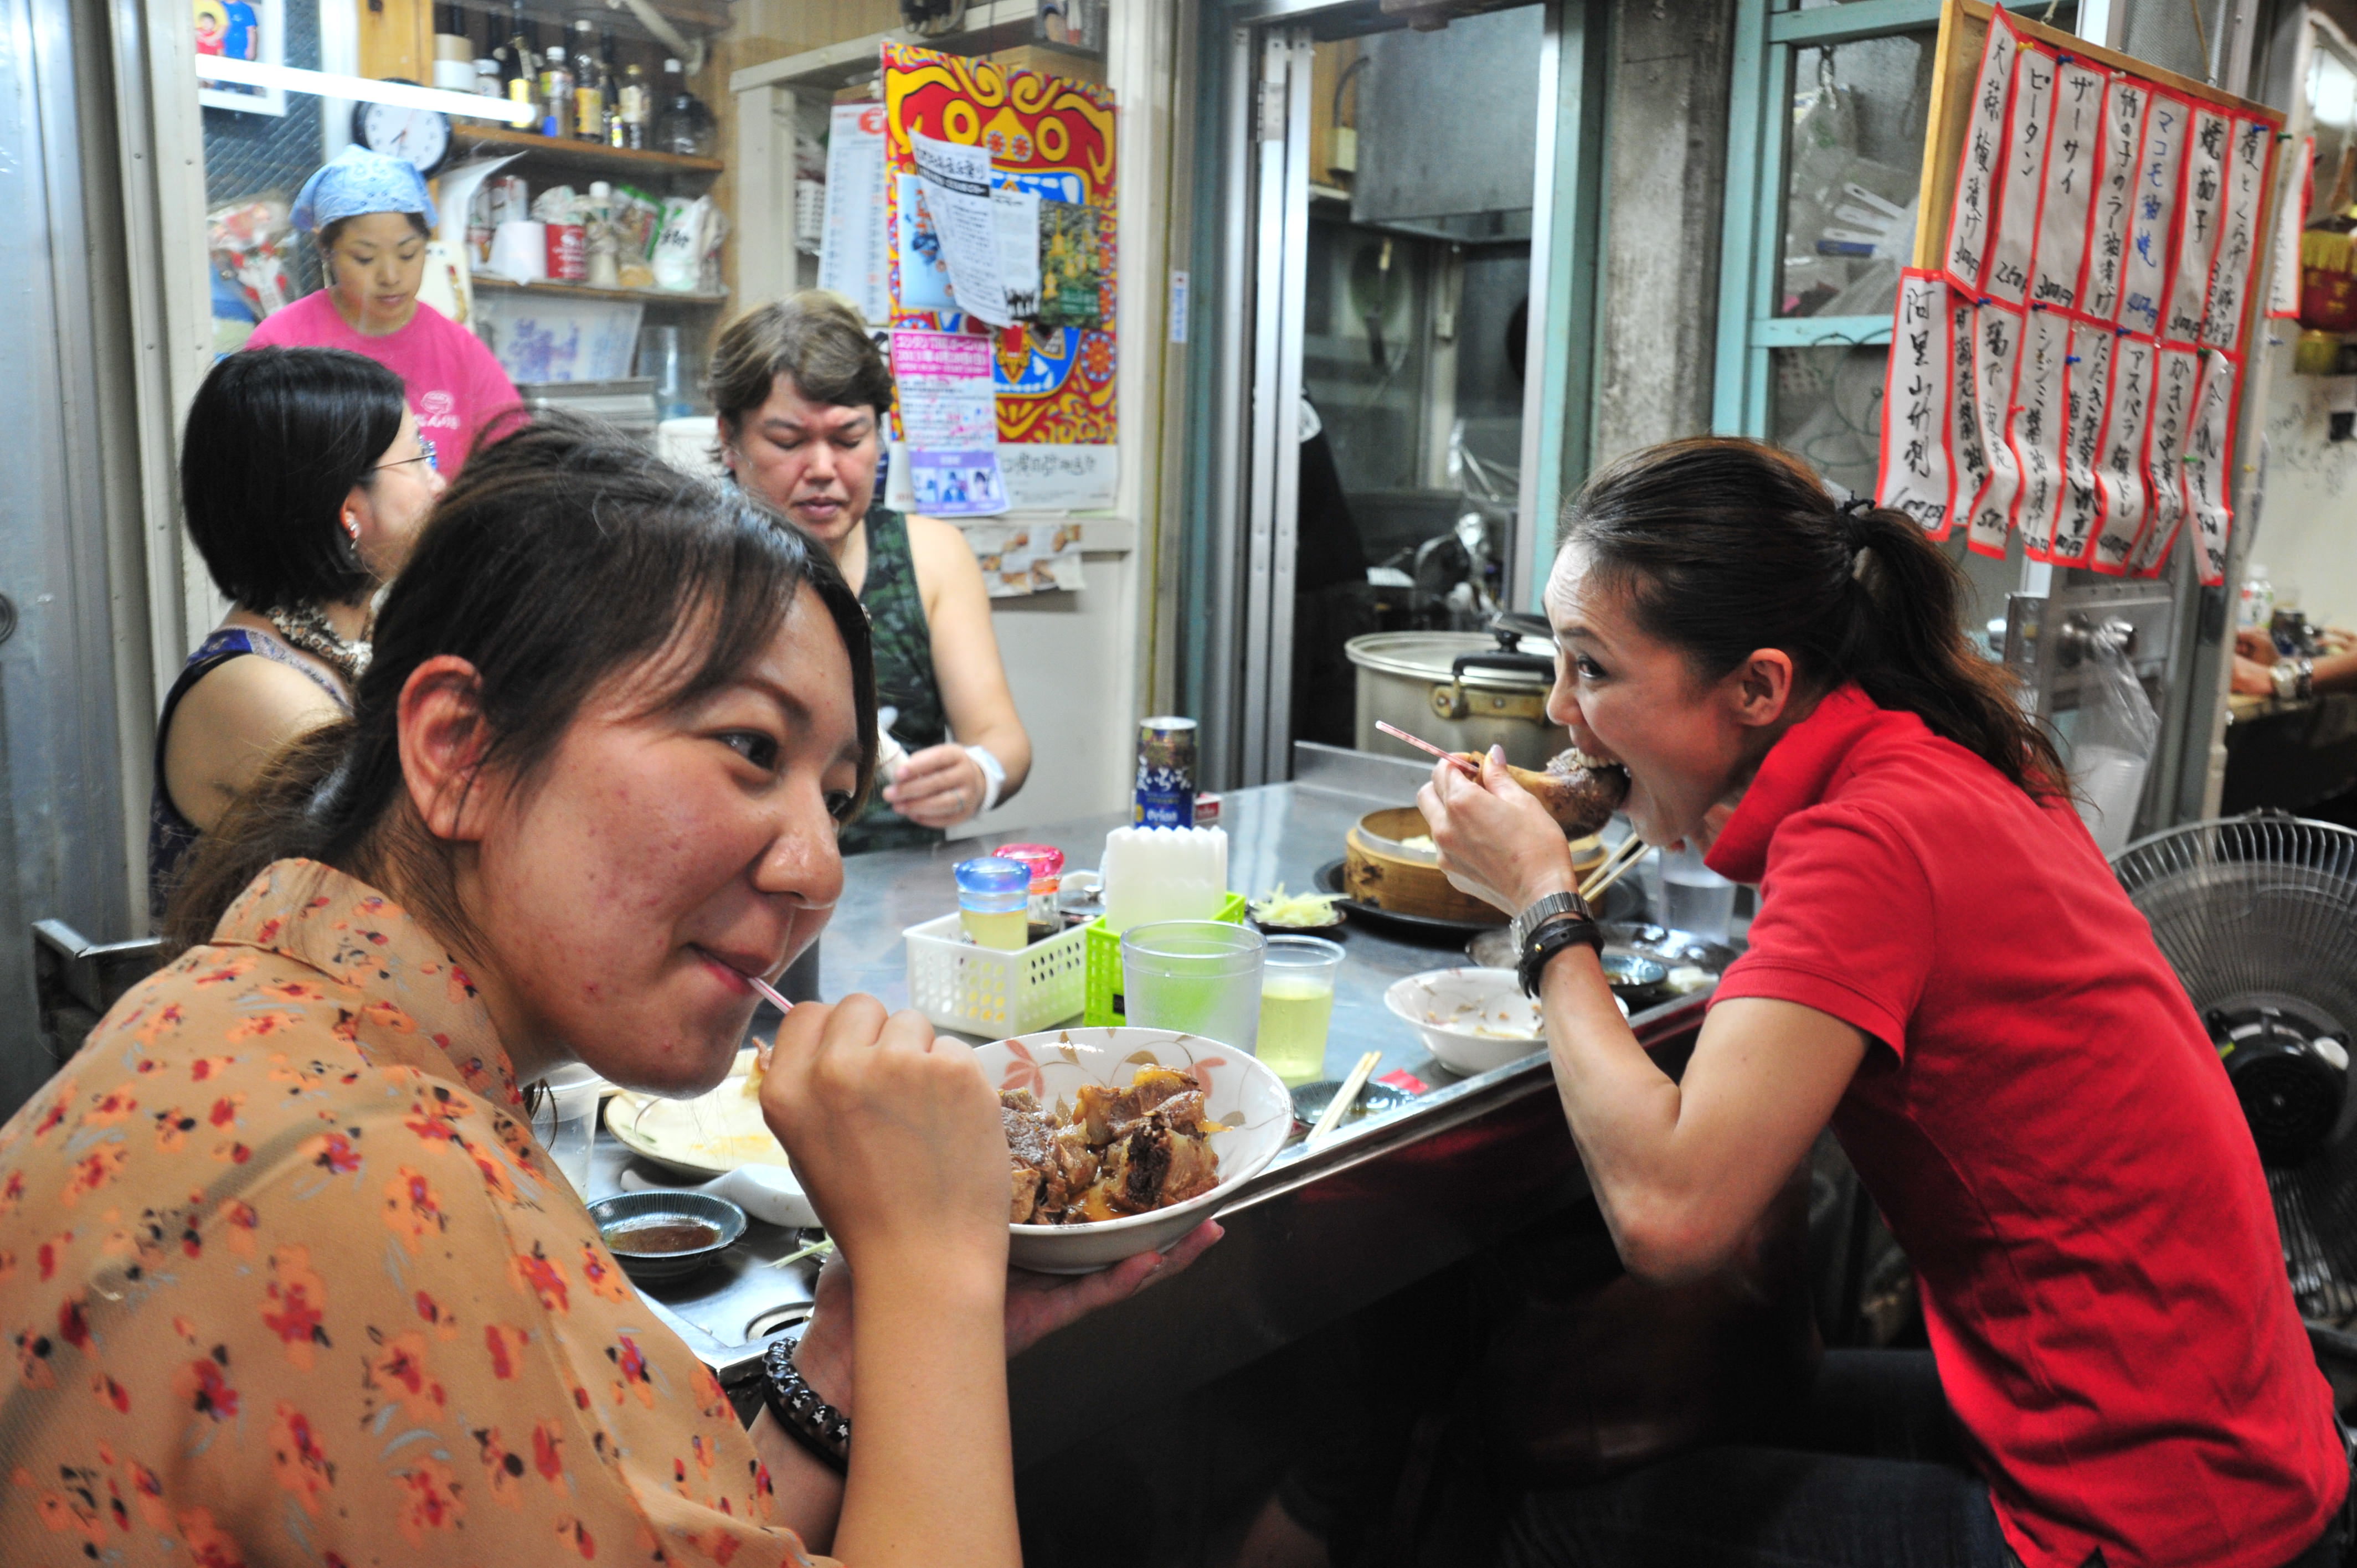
(1463, 690)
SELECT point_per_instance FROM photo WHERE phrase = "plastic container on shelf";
(992, 992)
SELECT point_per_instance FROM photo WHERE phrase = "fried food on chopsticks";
(1118, 1152)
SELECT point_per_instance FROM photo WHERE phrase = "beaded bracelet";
(815, 1424)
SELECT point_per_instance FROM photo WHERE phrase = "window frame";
(1751, 243)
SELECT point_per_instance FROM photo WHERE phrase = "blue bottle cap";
(993, 874)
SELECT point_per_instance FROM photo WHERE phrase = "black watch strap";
(809, 1419)
(1551, 935)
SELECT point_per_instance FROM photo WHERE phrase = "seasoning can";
(1166, 773)
(568, 253)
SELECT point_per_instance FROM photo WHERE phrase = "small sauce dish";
(667, 1235)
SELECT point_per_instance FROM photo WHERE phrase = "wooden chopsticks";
(1618, 865)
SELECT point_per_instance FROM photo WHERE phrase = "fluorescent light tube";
(364, 89)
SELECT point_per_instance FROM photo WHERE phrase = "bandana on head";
(357, 180)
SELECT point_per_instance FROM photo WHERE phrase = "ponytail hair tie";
(1850, 517)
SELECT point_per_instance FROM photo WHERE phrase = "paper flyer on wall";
(1969, 221)
(2202, 203)
(2027, 115)
(947, 389)
(851, 255)
(2155, 210)
(2119, 471)
(989, 230)
(2090, 382)
(2238, 239)
(2207, 457)
(1062, 477)
(1916, 478)
(2108, 221)
(1029, 556)
(1996, 356)
(2074, 137)
(2035, 427)
(956, 484)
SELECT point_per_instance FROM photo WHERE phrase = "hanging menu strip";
(2238, 239)
(2037, 426)
(2202, 200)
(2152, 208)
(2119, 469)
(1916, 477)
(2124, 104)
(2090, 378)
(2176, 373)
(1981, 168)
(2025, 170)
(2074, 137)
(2283, 288)
(1968, 452)
(2208, 455)
(1996, 356)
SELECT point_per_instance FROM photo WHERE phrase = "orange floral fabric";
(285, 1280)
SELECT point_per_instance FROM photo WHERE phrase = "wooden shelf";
(594, 158)
(498, 284)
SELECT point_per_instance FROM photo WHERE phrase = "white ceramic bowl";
(1237, 1091)
(1471, 1019)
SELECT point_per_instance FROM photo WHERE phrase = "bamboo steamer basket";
(1377, 871)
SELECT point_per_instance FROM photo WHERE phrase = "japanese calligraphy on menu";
(2067, 358)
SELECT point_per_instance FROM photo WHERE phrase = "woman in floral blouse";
(285, 1277)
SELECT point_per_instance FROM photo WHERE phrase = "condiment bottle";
(992, 897)
(555, 94)
(588, 95)
(1046, 864)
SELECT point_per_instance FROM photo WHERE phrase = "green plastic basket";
(1104, 964)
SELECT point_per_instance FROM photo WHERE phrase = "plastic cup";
(1695, 898)
(1297, 1004)
(1199, 977)
(565, 1120)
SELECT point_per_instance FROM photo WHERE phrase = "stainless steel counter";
(1314, 1237)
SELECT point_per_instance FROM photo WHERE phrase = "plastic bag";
(2112, 748)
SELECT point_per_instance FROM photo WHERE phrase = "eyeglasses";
(424, 457)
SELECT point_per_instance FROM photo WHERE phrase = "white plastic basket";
(989, 991)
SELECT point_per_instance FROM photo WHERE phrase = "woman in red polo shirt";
(1942, 968)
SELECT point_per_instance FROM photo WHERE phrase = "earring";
(352, 526)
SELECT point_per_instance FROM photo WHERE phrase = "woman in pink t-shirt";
(370, 216)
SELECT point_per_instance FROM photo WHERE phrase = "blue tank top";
(171, 835)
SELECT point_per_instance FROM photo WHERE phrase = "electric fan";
(2258, 917)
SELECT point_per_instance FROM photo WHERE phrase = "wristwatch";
(1550, 925)
(2294, 678)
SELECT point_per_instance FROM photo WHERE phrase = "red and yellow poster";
(1044, 134)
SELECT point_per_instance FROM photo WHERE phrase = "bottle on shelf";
(685, 127)
(635, 107)
(487, 76)
(609, 94)
(555, 94)
(518, 69)
(588, 95)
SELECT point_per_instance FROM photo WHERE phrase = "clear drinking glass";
(1199, 977)
(1297, 1004)
(1694, 897)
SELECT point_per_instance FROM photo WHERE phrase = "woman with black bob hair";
(304, 488)
(589, 786)
(1943, 969)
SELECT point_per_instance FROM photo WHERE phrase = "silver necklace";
(304, 627)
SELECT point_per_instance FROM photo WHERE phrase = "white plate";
(1238, 1091)
(718, 1131)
